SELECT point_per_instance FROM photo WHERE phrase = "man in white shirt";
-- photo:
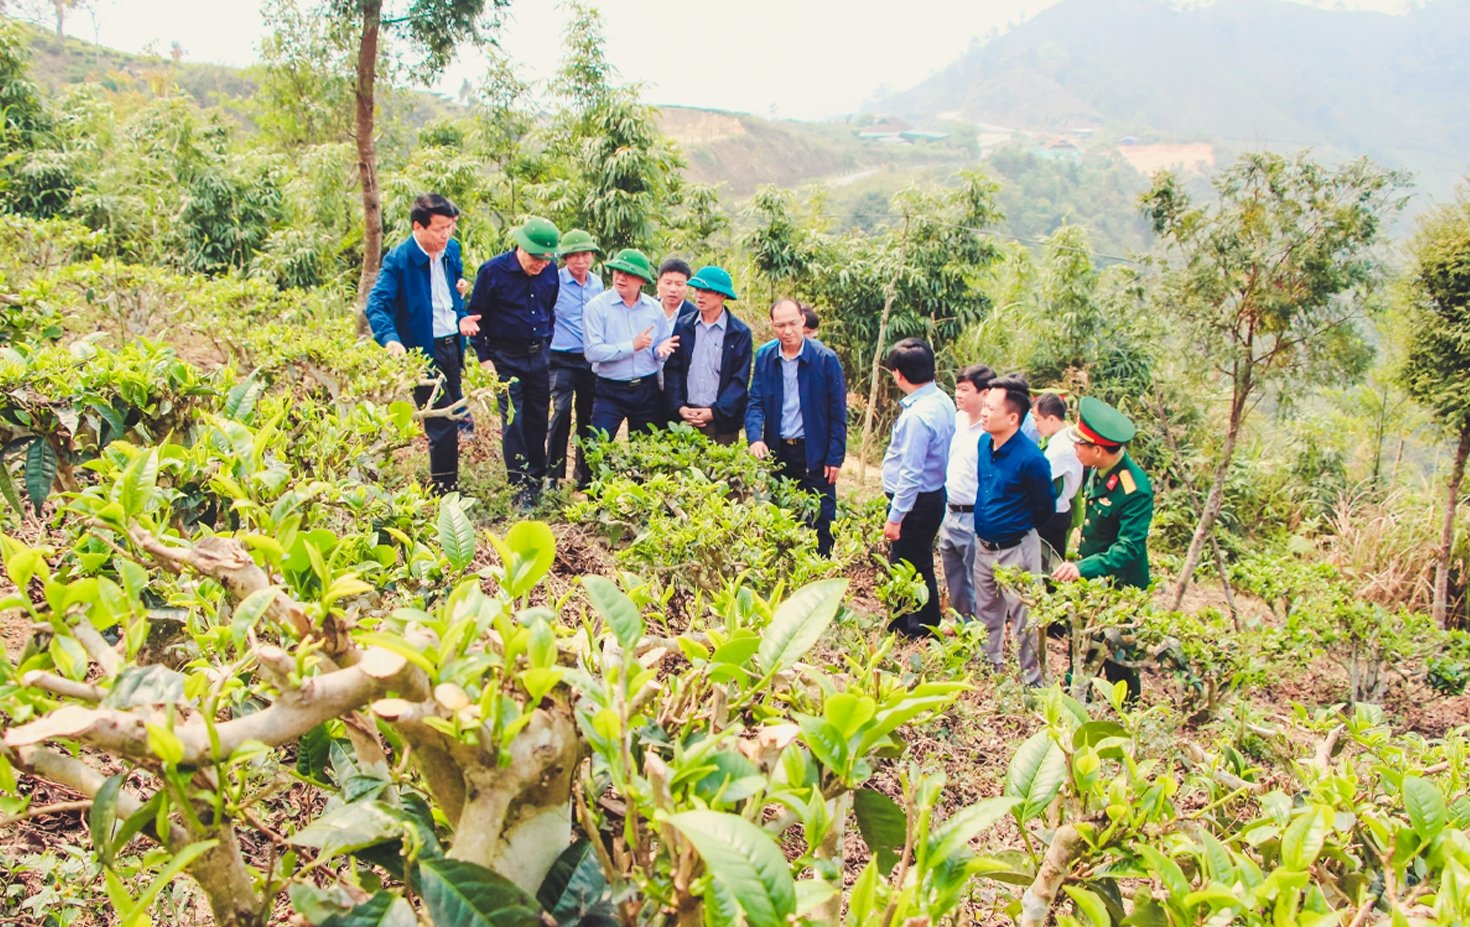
(1066, 471)
(957, 533)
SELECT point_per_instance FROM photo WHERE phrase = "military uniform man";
(1119, 507)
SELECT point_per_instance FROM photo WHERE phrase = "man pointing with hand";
(627, 339)
(417, 303)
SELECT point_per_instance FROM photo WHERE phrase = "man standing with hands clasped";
(516, 298)
(416, 303)
(913, 474)
(707, 376)
(798, 407)
(628, 340)
(1013, 497)
(1119, 507)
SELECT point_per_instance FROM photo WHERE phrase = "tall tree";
(1436, 369)
(304, 86)
(1265, 284)
(433, 29)
(622, 170)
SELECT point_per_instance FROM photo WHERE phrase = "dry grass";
(1388, 558)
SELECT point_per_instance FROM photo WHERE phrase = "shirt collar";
(717, 323)
(427, 256)
(918, 394)
(806, 344)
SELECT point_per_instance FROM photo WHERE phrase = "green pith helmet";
(575, 242)
(632, 261)
(1100, 423)
(538, 238)
(715, 279)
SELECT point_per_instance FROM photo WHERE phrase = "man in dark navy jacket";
(516, 297)
(798, 410)
(706, 377)
(416, 305)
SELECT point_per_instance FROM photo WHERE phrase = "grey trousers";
(957, 553)
(999, 610)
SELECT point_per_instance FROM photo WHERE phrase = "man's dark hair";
(977, 375)
(428, 205)
(1050, 405)
(809, 317)
(674, 266)
(913, 358)
(1018, 394)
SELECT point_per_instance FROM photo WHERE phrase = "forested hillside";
(257, 671)
(1239, 72)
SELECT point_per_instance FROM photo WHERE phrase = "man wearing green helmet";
(573, 384)
(1120, 507)
(627, 339)
(708, 375)
(516, 301)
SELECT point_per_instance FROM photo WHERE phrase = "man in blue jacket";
(516, 297)
(416, 305)
(798, 410)
(707, 375)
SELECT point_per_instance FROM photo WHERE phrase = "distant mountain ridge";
(1242, 72)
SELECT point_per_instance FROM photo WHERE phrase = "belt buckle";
(792, 442)
(634, 382)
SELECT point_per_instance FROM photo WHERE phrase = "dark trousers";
(638, 402)
(443, 433)
(791, 460)
(523, 412)
(573, 386)
(1055, 532)
(915, 544)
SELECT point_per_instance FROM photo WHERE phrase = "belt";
(793, 442)
(633, 382)
(528, 345)
(1004, 545)
(955, 507)
(447, 339)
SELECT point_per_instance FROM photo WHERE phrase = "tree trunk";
(1213, 502)
(1380, 427)
(1447, 528)
(367, 157)
(60, 7)
(1225, 580)
(1066, 846)
(888, 298)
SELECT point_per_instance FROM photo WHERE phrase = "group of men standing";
(988, 476)
(607, 356)
(966, 471)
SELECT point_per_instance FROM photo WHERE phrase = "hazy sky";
(794, 58)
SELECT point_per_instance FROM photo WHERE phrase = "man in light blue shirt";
(627, 339)
(914, 469)
(573, 384)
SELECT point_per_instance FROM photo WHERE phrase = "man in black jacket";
(707, 376)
